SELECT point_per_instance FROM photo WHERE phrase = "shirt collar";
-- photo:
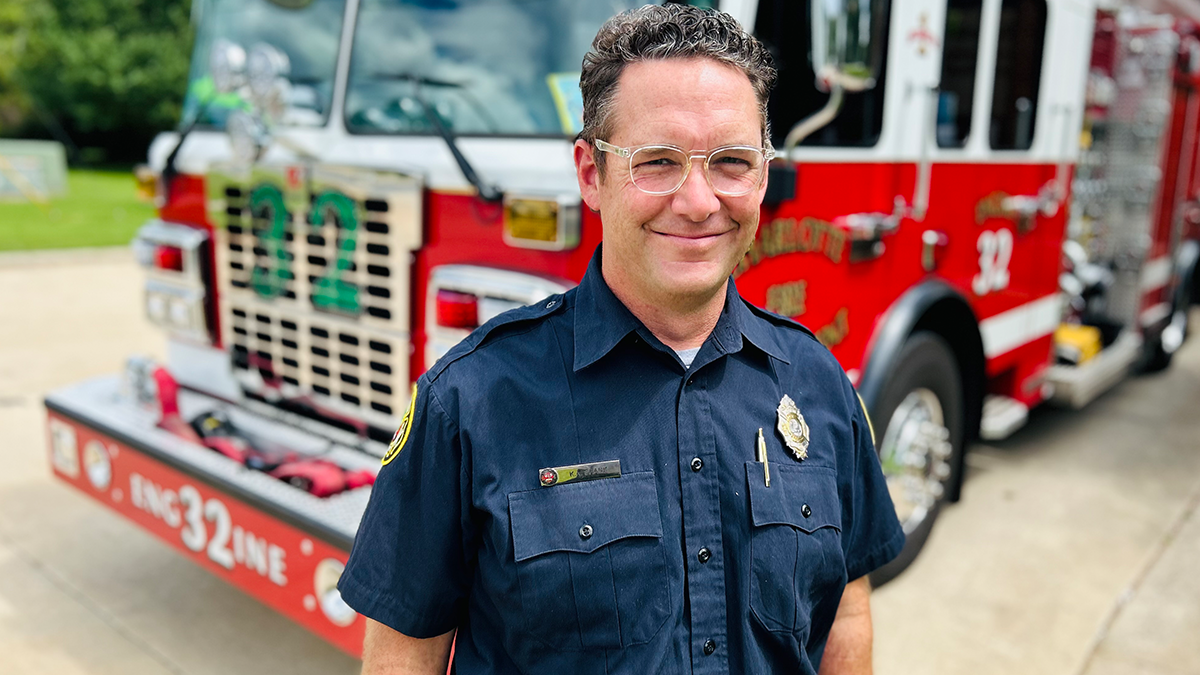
(753, 324)
(602, 321)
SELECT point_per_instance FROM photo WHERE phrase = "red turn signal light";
(168, 258)
(457, 310)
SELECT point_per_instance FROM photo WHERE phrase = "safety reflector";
(168, 258)
(546, 223)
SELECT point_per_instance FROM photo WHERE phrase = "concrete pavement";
(1154, 627)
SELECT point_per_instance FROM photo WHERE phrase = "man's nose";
(695, 199)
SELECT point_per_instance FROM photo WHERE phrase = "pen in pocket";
(762, 457)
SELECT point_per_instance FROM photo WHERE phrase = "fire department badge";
(792, 427)
(401, 436)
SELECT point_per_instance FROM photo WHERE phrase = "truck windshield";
(308, 31)
(498, 67)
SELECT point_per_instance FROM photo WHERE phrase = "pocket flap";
(551, 519)
(792, 489)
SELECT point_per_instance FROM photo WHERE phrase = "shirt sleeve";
(874, 536)
(408, 568)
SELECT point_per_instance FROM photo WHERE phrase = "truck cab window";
(1018, 73)
(783, 26)
(959, 57)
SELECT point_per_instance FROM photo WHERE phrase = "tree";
(13, 103)
(112, 72)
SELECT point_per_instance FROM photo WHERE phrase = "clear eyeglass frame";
(628, 153)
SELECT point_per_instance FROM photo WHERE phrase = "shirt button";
(703, 555)
(709, 647)
(697, 464)
(805, 511)
(585, 532)
(550, 304)
(691, 381)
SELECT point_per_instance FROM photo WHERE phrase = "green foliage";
(109, 70)
(13, 104)
(101, 208)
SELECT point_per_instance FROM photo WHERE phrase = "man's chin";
(697, 280)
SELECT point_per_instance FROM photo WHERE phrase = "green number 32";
(330, 290)
(266, 203)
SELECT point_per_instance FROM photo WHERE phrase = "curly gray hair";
(666, 32)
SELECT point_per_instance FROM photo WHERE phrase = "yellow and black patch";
(866, 415)
(401, 436)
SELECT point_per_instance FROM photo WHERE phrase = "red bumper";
(280, 556)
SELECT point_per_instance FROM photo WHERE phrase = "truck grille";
(316, 307)
(335, 361)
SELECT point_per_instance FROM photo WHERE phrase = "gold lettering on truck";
(835, 331)
(787, 299)
(788, 235)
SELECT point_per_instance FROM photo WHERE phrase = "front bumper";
(275, 542)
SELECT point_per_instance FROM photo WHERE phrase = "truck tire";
(1162, 349)
(920, 418)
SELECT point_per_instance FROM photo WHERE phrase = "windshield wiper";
(460, 87)
(489, 193)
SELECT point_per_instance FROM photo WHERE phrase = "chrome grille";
(340, 364)
(318, 311)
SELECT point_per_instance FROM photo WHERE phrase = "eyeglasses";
(732, 170)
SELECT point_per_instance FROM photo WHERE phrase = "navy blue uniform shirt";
(686, 563)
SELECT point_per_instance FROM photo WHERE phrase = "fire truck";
(979, 206)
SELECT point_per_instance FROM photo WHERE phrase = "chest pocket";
(795, 544)
(591, 563)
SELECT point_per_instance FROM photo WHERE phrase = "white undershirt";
(687, 356)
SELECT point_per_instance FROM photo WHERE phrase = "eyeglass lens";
(732, 171)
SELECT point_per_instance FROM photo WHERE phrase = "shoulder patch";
(401, 436)
(780, 320)
(529, 313)
(867, 415)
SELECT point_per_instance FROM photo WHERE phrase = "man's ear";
(587, 173)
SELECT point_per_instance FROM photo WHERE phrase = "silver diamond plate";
(101, 399)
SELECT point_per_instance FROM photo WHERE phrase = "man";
(580, 486)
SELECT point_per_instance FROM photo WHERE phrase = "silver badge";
(792, 427)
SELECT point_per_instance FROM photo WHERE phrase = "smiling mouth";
(692, 237)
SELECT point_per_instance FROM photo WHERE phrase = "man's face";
(678, 249)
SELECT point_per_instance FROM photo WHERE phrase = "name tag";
(575, 473)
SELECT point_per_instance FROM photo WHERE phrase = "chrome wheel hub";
(915, 453)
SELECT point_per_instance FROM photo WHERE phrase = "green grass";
(101, 208)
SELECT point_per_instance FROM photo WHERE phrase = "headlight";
(181, 313)
(156, 307)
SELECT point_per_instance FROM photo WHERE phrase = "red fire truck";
(979, 207)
